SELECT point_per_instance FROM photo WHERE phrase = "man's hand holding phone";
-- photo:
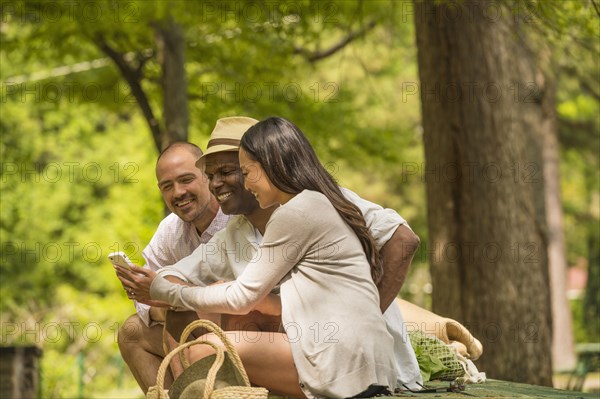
(136, 280)
(120, 259)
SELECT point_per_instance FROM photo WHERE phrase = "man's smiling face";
(226, 183)
(183, 186)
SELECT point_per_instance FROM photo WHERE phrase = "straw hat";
(226, 135)
(190, 384)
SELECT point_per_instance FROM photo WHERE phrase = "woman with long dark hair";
(317, 248)
(292, 166)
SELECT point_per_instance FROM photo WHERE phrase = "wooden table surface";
(497, 389)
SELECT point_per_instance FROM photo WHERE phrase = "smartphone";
(120, 259)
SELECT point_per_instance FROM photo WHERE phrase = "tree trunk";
(171, 56)
(591, 300)
(563, 349)
(482, 122)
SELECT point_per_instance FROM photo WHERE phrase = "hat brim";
(213, 150)
(193, 379)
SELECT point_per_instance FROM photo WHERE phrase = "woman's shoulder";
(305, 204)
(305, 212)
(311, 197)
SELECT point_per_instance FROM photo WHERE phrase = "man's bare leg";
(141, 348)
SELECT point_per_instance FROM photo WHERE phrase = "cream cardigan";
(330, 305)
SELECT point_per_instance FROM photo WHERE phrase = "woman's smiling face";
(257, 182)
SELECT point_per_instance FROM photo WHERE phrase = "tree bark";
(563, 348)
(591, 299)
(171, 56)
(482, 121)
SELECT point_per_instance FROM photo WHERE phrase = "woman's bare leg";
(266, 356)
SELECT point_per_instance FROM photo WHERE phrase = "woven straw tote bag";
(219, 376)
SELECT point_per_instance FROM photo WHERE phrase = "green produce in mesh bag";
(437, 361)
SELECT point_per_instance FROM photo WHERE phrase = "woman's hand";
(137, 284)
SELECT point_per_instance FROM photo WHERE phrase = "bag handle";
(165, 339)
(215, 329)
(158, 390)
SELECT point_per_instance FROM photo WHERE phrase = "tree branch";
(596, 7)
(133, 77)
(142, 58)
(314, 56)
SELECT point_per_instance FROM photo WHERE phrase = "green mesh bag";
(437, 361)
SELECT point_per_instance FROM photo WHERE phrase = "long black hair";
(292, 166)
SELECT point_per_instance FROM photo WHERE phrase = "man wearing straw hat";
(226, 255)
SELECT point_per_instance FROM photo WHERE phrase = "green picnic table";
(489, 389)
(588, 360)
(496, 389)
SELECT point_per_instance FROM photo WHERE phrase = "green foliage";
(591, 299)
(63, 189)
(584, 330)
(75, 186)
